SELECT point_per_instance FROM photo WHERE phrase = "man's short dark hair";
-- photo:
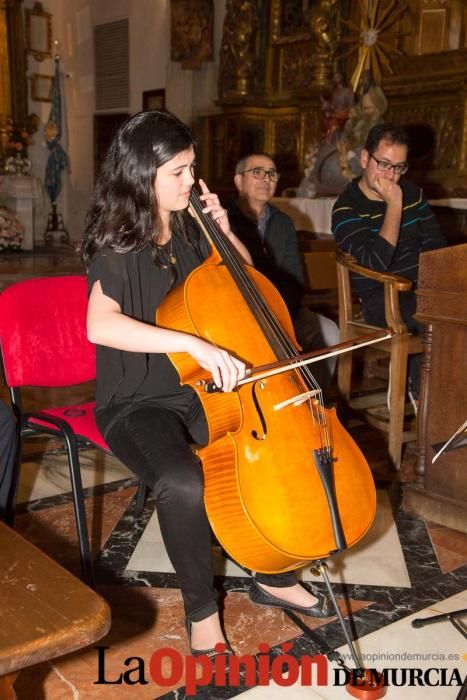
(394, 133)
(240, 167)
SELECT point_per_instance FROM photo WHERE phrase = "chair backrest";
(43, 332)
(345, 295)
(320, 270)
(393, 284)
(318, 254)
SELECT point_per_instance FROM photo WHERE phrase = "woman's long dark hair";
(124, 210)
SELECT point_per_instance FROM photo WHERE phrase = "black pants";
(373, 312)
(8, 446)
(154, 442)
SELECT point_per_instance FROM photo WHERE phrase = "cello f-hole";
(264, 427)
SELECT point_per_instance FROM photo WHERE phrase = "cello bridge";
(296, 400)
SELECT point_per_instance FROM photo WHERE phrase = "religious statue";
(322, 172)
(368, 112)
(331, 163)
(238, 50)
(322, 20)
(336, 108)
(368, 86)
(323, 175)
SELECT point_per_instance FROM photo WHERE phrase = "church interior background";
(248, 75)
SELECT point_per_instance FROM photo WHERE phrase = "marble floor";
(404, 568)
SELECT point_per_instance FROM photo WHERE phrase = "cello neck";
(218, 240)
(231, 258)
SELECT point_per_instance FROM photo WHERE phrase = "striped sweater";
(356, 222)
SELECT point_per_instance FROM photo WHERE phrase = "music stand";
(455, 442)
(451, 616)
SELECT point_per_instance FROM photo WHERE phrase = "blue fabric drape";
(58, 159)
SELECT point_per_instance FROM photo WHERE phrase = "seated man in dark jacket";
(271, 239)
(385, 222)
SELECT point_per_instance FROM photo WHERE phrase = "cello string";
(231, 257)
(254, 298)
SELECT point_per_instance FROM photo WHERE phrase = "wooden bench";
(45, 611)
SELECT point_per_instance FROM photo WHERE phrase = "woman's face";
(174, 181)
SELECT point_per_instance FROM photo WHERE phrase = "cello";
(285, 484)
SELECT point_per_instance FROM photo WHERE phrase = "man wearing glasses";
(385, 223)
(271, 239)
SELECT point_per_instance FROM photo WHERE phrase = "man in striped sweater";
(385, 223)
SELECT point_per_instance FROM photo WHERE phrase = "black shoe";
(210, 653)
(322, 608)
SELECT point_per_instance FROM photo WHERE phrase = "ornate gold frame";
(14, 64)
(277, 34)
(38, 32)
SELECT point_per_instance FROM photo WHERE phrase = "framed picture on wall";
(153, 99)
(41, 87)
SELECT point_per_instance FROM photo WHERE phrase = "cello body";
(264, 494)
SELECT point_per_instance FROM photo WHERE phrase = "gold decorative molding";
(463, 153)
(443, 117)
(323, 23)
(281, 34)
(430, 90)
(295, 68)
(271, 97)
(238, 56)
(192, 36)
(284, 136)
(5, 91)
(16, 61)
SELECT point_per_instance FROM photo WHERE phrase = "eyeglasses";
(261, 173)
(385, 167)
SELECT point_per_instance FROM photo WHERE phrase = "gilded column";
(238, 50)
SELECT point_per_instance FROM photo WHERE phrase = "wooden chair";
(46, 611)
(319, 266)
(399, 347)
(320, 269)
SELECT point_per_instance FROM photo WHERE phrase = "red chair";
(44, 344)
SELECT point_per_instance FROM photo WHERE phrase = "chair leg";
(398, 380)
(80, 510)
(15, 468)
(140, 499)
(7, 692)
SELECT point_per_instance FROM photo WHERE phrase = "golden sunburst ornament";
(372, 39)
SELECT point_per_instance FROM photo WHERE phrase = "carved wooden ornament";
(192, 37)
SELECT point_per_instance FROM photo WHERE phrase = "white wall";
(188, 93)
(72, 27)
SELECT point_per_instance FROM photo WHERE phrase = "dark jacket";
(277, 257)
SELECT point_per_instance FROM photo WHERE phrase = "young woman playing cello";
(139, 242)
